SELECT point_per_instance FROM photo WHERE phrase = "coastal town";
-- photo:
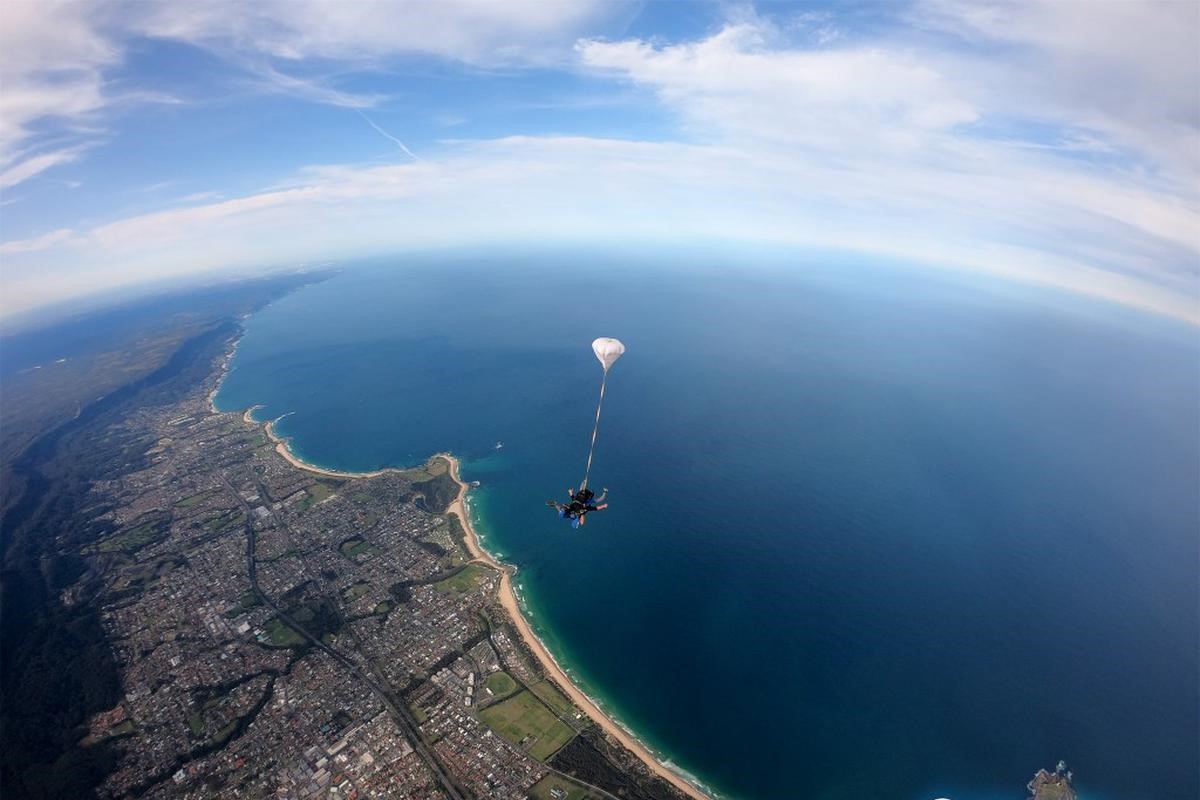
(289, 632)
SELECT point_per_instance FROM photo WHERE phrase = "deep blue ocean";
(875, 531)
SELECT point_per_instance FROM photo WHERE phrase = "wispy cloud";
(43, 242)
(55, 56)
(632, 189)
(884, 133)
(403, 147)
(26, 168)
(470, 31)
(1011, 140)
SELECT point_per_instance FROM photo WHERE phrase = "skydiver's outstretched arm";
(603, 496)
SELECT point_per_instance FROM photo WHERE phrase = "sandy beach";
(508, 599)
(281, 447)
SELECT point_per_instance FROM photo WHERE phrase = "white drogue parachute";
(608, 351)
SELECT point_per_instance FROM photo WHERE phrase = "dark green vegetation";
(586, 757)
(56, 668)
(526, 722)
(437, 493)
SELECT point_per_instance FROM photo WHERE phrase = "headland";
(508, 600)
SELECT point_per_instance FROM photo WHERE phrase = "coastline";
(508, 599)
(507, 596)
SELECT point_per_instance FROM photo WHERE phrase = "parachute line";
(595, 430)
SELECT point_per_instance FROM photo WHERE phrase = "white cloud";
(55, 55)
(473, 31)
(26, 168)
(889, 146)
(893, 132)
(735, 84)
(51, 60)
(1127, 70)
(523, 188)
(43, 242)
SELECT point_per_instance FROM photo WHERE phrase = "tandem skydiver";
(581, 502)
(607, 351)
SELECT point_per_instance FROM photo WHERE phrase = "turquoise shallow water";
(874, 532)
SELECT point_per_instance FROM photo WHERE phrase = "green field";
(432, 468)
(550, 694)
(188, 502)
(224, 522)
(523, 720)
(356, 590)
(316, 493)
(280, 634)
(320, 492)
(122, 729)
(500, 684)
(464, 581)
(541, 790)
(133, 539)
(356, 549)
(382, 608)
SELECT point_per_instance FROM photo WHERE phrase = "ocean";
(876, 531)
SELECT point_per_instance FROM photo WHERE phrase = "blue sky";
(1053, 143)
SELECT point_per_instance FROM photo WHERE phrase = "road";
(397, 709)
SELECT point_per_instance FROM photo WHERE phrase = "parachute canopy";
(607, 350)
